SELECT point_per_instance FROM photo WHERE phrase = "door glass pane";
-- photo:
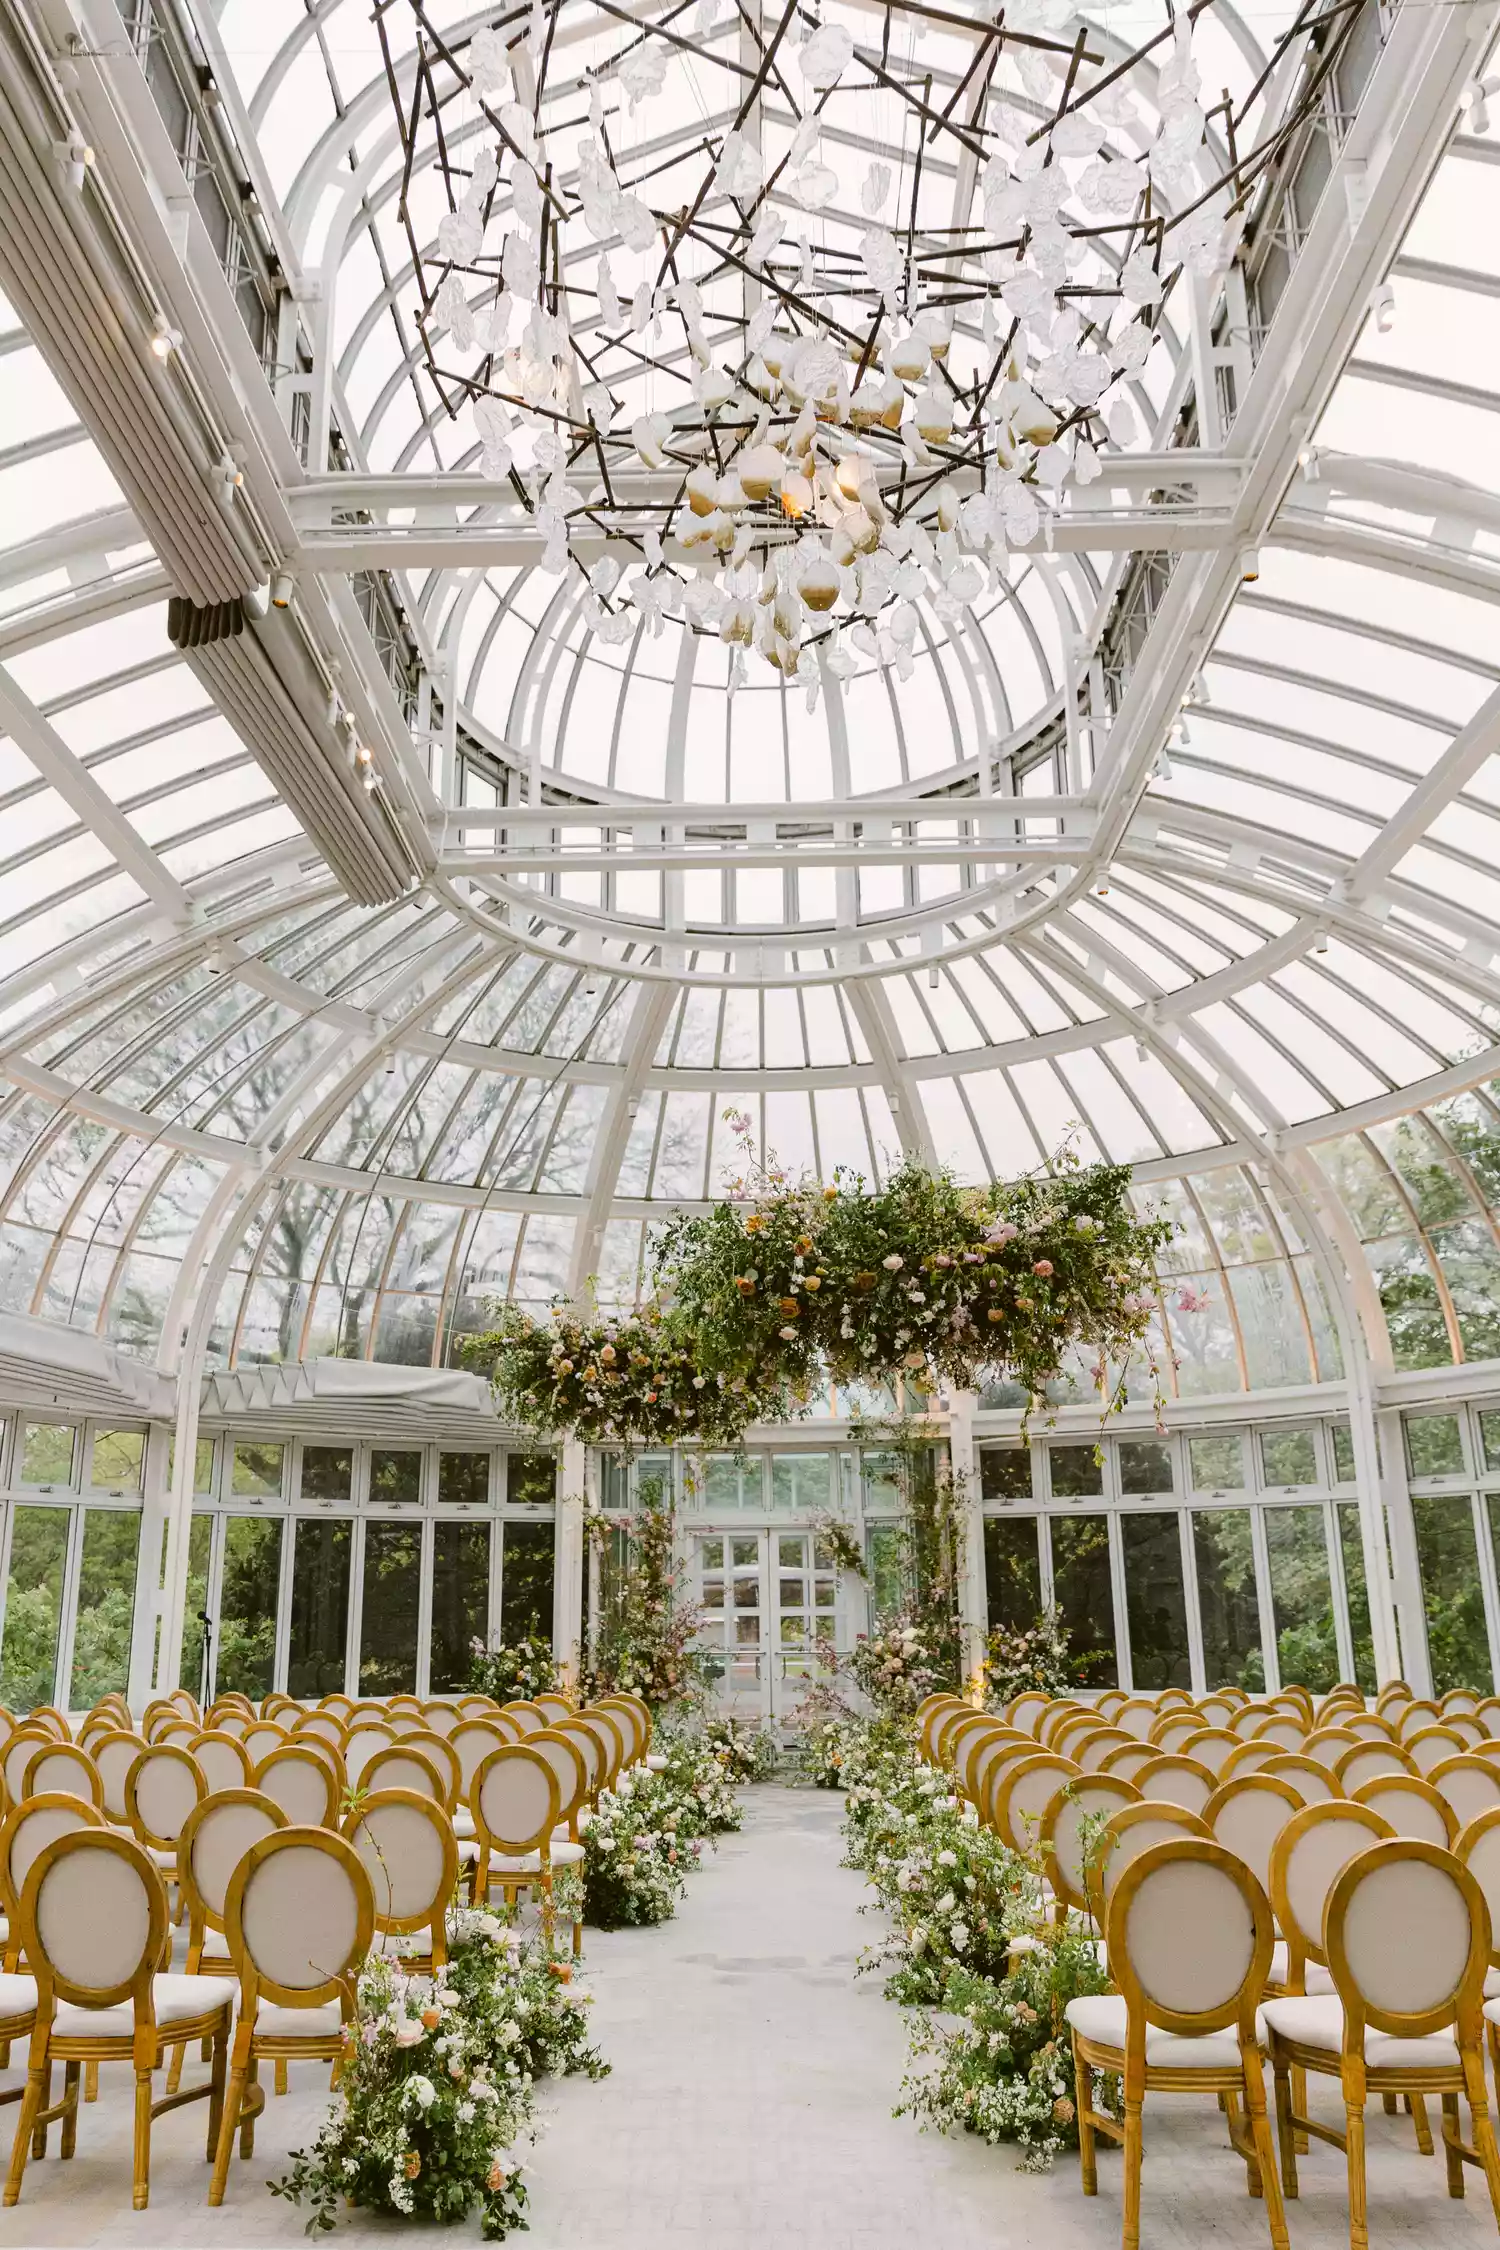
(247, 1602)
(885, 1561)
(1012, 1574)
(1227, 1600)
(464, 1478)
(388, 1624)
(200, 1546)
(460, 1597)
(1154, 1600)
(319, 1624)
(33, 1605)
(526, 1567)
(106, 1604)
(396, 1475)
(1351, 1547)
(800, 1481)
(1302, 1597)
(1084, 1597)
(1458, 1642)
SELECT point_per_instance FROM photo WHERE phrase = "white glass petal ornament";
(826, 55)
(1140, 283)
(760, 469)
(876, 187)
(933, 415)
(459, 236)
(642, 72)
(818, 583)
(796, 494)
(910, 357)
(489, 64)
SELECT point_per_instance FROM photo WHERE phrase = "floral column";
(567, 1582)
(973, 1610)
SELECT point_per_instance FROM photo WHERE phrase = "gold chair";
(517, 1807)
(1408, 1940)
(410, 1853)
(215, 1837)
(94, 1926)
(303, 1783)
(1189, 1941)
(299, 1915)
(62, 1769)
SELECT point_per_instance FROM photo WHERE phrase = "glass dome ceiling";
(1181, 838)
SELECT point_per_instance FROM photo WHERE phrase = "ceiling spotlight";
(1383, 306)
(1163, 764)
(76, 159)
(1101, 890)
(1181, 734)
(165, 339)
(390, 1065)
(1249, 566)
(1140, 1051)
(932, 977)
(1320, 942)
(1474, 102)
(281, 590)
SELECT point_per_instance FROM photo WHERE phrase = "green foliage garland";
(512, 1671)
(787, 1281)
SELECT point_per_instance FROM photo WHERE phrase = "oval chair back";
(1126, 1834)
(325, 1724)
(230, 1719)
(473, 1741)
(215, 1837)
(1021, 1795)
(400, 1766)
(1245, 1816)
(1189, 1942)
(1173, 1730)
(1306, 1860)
(364, 1738)
(1471, 1786)
(970, 1742)
(1137, 1715)
(410, 1854)
(161, 1789)
(1431, 1746)
(1314, 1784)
(606, 1731)
(1210, 1746)
(299, 1914)
(1478, 1847)
(1368, 1761)
(1280, 1727)
(589, 1749)
(93, 1922)
(407, 1718)
(1412, 1806)
(262, 1738)
(304, 1785)
(27, 1829)
(935, 1708)
(1130, 1759)
(525, 1717)
(515, 1802)
(566, 1760)
(114, 1754)
(441, 1717)
(556, 1706)
(442, 1754)
(1101, 1745)
(987, 1754)
(1065, 1849)
(221, 1760)
(975, 1726)
(1174, 1779)
(61, 1769)
(20, 1749)
(1369, 1726)
(630, 1723)
(1408, 1942)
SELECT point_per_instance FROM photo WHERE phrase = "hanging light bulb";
(1383, 306)
(165, 339)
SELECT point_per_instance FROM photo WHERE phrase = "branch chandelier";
(737, 380)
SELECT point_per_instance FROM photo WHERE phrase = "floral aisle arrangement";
(748, 1753)
(645, 1625)
(894, 1667)
(512, 1671)
(435, 2085)
(789, 1280)
(634, 1867)
(959, 1900)
(1020, 1658)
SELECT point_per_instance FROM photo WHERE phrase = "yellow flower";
(411, 2164)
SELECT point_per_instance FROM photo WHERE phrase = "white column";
(154, 1502)
(973, 1607)
(173, 1597)
(1416, 1668)
(567, 1578)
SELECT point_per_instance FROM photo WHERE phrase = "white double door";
(770, 1603)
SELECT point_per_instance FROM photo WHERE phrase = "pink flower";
(1192, 1300)
(1043, 1266)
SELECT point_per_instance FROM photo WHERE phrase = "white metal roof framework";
(1183, 829)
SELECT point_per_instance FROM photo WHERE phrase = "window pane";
(203, 1463)
(1084, 1597)
(1458, 1642)
(800, 1481)
(1434, 1447)
(1217, 1463)
(327, 1474)
(257, 1470)
(200, 1547)
(47, 1455)
(388, 1626)
(1351, 1547)
(1145, 1465)
(1154, 1600)
(1227, 1600)
(1343, 1453)
(881, 1475)
(319, 1625)
(119, 1458)
(526, 1564)
(725, 1482)
(531, 1478)
(396, 1475)
(885, 1560)
(106, 1604)
(1489, 1428)
(1005, 1472)
(247, 1599)
(1012, 1574)
(33, 1605)
(1302, 1596)
(1288, 1457)
(1076, 1475)
(460, 1594)
(464, 1477)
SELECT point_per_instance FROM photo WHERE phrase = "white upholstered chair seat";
(1100, 2017)
(561, 1854)
(1315, 1977)
(322, 2023)
(17, 1997)
(463, 1826)
(175, 1999)
(1320, 2023)
(654, 1764)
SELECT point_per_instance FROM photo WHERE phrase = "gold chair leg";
(1286, 2133)
(233, 2101)
(1083, 2095)
(1472, 2062)
(174, 2068)
(1299, 2105)
(39, 2136)
(1354, 2141)
(1416, 2103)
(142, 2190)
(1390, 2104)
(219, 2046)
(69, 2139)
(281, 2077)
(91, 2082)
(1130, 2236)
(31, 2102)
(1260, 2134)
(1451, 2144)
(250, 2111)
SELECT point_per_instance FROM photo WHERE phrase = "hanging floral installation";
(788, 1282)
(730, 348)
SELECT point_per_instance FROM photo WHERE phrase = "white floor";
(749, 2108)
